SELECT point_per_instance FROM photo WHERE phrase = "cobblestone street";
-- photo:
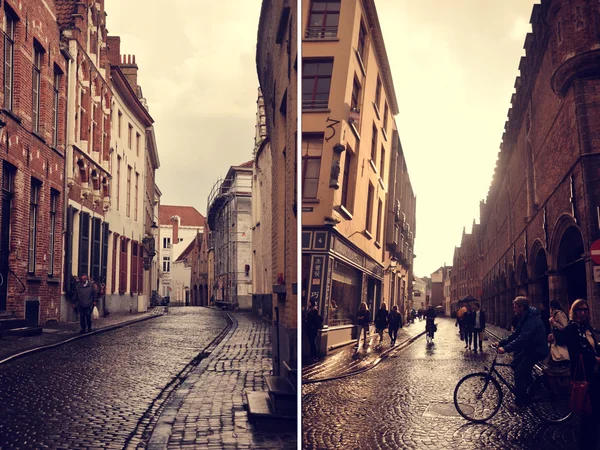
(406, 402)
(106, 390)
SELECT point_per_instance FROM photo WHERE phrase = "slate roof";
(190, 217)
(64, 12)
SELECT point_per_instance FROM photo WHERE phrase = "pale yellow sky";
(454, 65)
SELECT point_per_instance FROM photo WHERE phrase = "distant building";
(419, 292)
(179, 225)
(438, 278)
(229, 218)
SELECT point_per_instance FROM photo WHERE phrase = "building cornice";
(129, 96)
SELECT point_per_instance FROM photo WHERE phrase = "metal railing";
(320, 32)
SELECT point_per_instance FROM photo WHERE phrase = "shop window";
(345, 295)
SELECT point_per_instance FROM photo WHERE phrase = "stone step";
(11, 323)
(283, 395)
(262, 414)
(23, 331)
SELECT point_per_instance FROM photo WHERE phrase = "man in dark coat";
(85, 295)
(529, 342)
(478, 326)
(312, 324)
(468, 322)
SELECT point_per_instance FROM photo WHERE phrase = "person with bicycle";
(529, 342)
(430, 322)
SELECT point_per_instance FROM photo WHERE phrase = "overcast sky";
(197, 71)
(454, 65)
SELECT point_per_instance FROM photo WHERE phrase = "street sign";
(595, 251)
(597, 274)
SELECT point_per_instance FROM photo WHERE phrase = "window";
(355, 100)
(369, 221)
(385, 117)
(9, 47)
(166, 264)
(374, 144)
(84, 243)
(129, 136)
(347, 184)
(316, 81)
(382, 163)
(378, 94)
(34, 203)
(133, 287)
(104, 264)
(362, 38)
(379, 211)
(312, 148)
(128, 199)
(53, 209)
(167, 242)
(114, 262)
(118, 196)
(137, 144)
(96, 248)
(135, 205)
(36, 77)
(55, 92)
(324, 18)
(123, 266)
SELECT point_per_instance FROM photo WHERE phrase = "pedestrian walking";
(459, 321)
(583, 344)
(478, 327)
(468, 323)
(312, 324)
(381, 321)
(363, 320)
(394, 322)
(85, 301)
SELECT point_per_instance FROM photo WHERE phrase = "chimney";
(175, 220)
(130, 69)
(114, 50)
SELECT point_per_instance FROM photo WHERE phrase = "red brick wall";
(33, 157)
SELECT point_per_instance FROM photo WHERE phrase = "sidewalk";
(207, 409)
(56, 333)
(347, 360)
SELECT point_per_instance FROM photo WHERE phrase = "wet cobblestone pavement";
(92, 392)
(207, 411)
(406, 402)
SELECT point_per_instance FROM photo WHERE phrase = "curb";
(74, 338)
(383, 356)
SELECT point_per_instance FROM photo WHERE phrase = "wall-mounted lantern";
(338, 149)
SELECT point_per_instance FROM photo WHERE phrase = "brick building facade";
(542, 210)
(276, 63)
(32, 152)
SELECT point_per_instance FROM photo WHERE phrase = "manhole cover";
(441, 410)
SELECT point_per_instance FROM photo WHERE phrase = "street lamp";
(392, 266)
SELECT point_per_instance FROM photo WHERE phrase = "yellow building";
(348, 136)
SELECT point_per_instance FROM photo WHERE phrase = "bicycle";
(478, 396)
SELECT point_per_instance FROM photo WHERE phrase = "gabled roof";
(247, 164)
(187, 251)
(190, 217)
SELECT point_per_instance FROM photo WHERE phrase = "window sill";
(313, 201)
(360, 62)
(32, 277)
(344, 212)
(52, 280)
(373, 166)
(385, 136)
(315, 110)
(368, 234)
(355, 131)
(377, 113)
(321, 39)
(39, 136)
(377, 244)
(12, 115)
(382, 184)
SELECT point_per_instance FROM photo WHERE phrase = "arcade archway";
(571, 266)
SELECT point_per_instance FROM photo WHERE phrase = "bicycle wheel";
(549, 404)
(477, 397)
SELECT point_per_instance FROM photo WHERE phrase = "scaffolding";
(229, 215)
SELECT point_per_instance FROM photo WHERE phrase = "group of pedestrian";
(471, 323)
(384, 319)
(572, 342)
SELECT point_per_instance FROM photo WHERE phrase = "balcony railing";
(321, 32)
(315, 103)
